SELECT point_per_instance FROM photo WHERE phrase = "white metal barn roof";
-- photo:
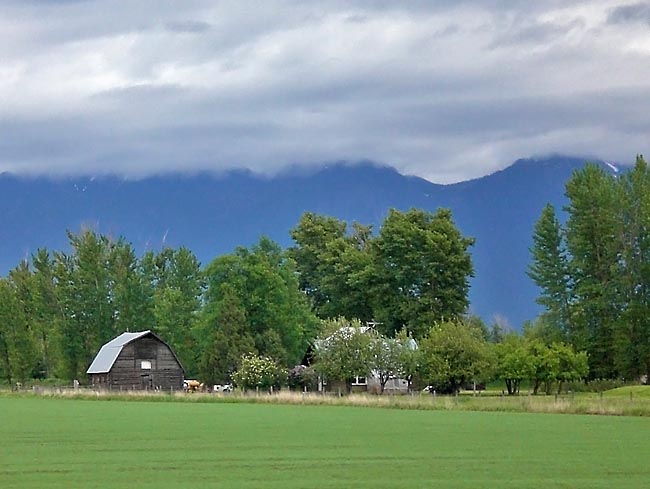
(110, 351)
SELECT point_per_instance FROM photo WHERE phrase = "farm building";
(136, 361)
(366, 383)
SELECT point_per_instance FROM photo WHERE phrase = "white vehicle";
(222, 388)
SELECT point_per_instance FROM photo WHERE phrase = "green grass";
(50, 442)
(634, 391)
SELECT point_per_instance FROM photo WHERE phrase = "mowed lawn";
(52, 443)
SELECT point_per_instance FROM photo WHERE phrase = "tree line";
(452, 355)
(408, 277)
(593, 269)
(58, 308)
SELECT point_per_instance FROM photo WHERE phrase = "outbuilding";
(136, 361)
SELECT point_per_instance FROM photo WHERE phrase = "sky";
(447, 90)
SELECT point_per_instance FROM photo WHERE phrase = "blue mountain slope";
(213, 214)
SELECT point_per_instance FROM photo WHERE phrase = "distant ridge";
(212, 214)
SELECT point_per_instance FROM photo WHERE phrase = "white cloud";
(447, 92)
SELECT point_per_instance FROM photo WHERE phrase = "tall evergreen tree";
(266, 283)
(550, 270)
(226, 338)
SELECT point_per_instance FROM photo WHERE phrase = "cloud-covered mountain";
(213, 214)
(139, 88)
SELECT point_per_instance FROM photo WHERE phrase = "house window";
(145, 365)
(359, 381)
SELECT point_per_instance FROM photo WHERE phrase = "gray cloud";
(632, 13)
(188, 26)
(447, 92)
(539, 33)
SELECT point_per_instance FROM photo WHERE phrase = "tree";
(593, 228)
(453, 354)
(414, 272)
(349, 263)
(343, 351)
(18, 355)
(408, 356)
(333, 265)
(571, 365)
(264, 279)
(227, 339)
(130, 294)
(514, 362)
(556, 362)
(47, 310)
(85, 299)
(543, 329)
(387, 356)
(631, 332)
(545, 363)
(312, 235)
(550, 269)
(595, 273)
(422, 270)
(176, 280)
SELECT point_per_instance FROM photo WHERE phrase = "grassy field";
(49, 442)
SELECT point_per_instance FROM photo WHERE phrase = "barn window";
(145, 365)
(359, 381)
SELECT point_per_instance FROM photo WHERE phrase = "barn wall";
(342, 387)
(127, 372)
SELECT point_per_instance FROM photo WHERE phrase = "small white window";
(145, 365)
(359, 381)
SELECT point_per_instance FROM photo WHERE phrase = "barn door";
(147, 381)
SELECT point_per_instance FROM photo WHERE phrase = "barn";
(136, 361)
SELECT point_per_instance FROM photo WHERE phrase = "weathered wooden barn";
(136, 361)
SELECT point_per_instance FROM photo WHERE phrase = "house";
(136, 361)
(371, 381)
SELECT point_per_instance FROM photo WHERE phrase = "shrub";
(302, 377)
(598, 385)
(259, 373)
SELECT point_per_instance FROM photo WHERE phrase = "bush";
(598, 385)
(302, 377)
(259, 373)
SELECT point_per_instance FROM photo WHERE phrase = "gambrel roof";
(108, 353)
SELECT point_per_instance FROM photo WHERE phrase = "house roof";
(349, 330)
(108, 353)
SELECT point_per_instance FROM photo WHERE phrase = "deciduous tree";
(453, 354)
(422, 270)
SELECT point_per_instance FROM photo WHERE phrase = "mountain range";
(212, 214)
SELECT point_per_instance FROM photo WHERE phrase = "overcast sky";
(446, 90)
